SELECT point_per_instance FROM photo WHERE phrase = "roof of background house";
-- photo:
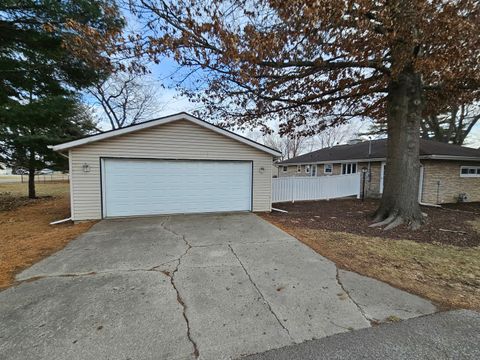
(428, 150)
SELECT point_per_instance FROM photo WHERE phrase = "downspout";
(422, 183)
(438, 191)
(369, 167)
(369, 172)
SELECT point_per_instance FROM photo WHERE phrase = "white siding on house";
(176, 140)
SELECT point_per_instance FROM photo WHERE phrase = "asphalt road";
(448, 335)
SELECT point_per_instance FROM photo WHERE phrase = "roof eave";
(450, 157)
(421, 157)
(332, 161)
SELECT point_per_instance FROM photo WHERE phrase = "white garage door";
(148, 187)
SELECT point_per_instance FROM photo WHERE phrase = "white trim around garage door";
(235, 195)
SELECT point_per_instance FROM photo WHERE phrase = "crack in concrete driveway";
(183, 287)
(260, 293)
(179, 297)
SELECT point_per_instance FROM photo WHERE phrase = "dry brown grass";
(447, 275)
(56, 188)
(26, 236)
(475, 224)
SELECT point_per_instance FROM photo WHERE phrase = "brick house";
(448, 172)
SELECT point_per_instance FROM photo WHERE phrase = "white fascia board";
(161, 121)
(422, 157)
(451, 157)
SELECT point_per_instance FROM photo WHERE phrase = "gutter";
(451, 157)
(421, 157)
(52, 147)
(333, 161)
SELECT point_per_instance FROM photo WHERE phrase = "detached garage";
(176, 164)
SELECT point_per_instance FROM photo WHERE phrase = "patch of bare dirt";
(450, 225)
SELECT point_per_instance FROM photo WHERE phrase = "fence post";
(359, 183)
(293, 192)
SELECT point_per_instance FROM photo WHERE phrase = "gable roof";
(378, 151)
(161, 121)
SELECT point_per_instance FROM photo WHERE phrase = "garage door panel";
(145, 187)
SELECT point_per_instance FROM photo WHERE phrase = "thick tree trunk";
(399, 203)
(31, 176)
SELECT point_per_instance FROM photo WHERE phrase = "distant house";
(4, 169)
(448, 172)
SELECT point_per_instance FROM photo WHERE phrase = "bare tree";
(289, 145)
(452, 126)
(336, 135)
(125, 99)
(292, 145)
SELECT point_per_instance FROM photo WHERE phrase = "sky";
(170, 101)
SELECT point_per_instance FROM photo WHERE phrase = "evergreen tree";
(49, 50)
(46, 121)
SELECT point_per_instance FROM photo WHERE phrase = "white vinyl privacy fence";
(315, 188)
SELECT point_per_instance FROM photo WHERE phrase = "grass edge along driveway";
(26, 235)
(445, 274)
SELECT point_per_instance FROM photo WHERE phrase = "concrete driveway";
(183, 287)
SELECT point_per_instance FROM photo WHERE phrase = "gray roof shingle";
(379, 151)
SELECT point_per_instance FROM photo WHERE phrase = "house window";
(284, 168)
(311, 170)
(470, 171)
(299, 168)
(349, 168)
(328, 168)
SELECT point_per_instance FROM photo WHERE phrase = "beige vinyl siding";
(181, 140)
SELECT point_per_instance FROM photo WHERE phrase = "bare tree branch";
(125, 99)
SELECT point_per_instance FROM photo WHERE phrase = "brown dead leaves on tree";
(311, 64)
